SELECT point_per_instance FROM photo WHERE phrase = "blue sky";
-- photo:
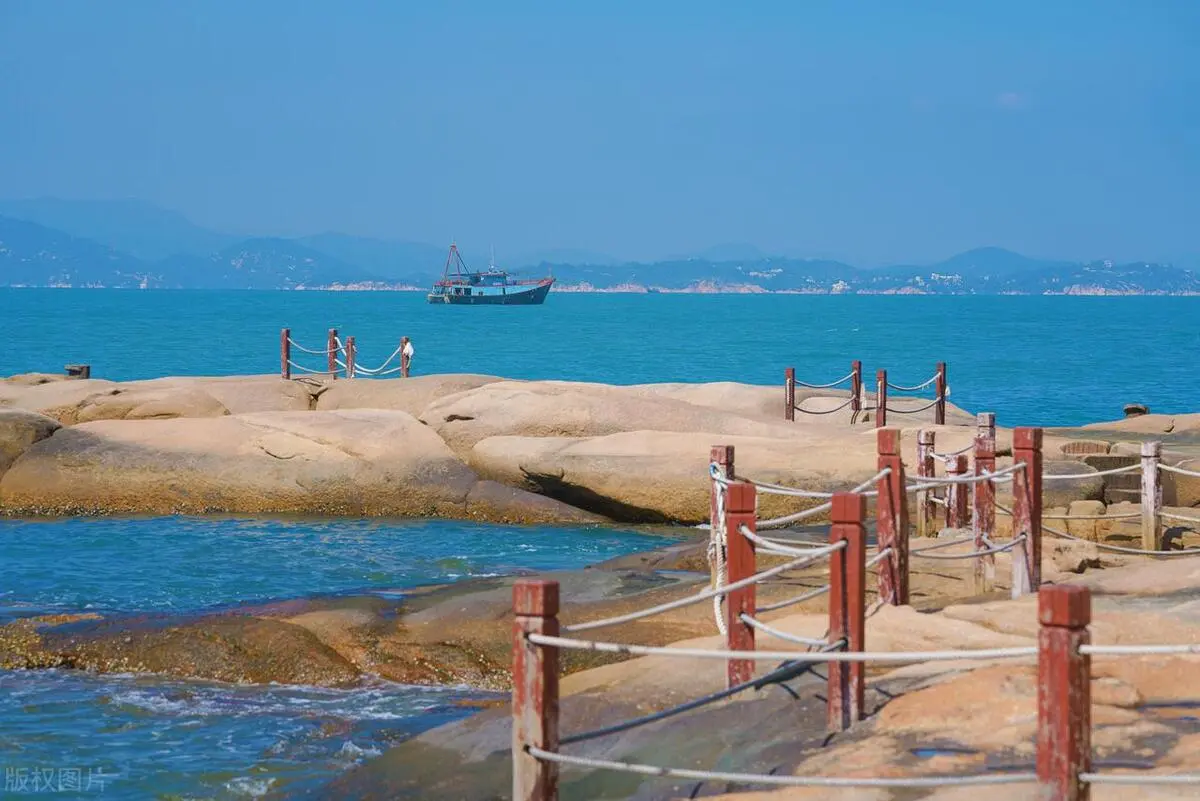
(868, 131)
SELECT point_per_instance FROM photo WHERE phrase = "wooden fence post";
(1151, 497)
(405, 361)
(1027, 511)
(891, 519)
(789, 393)
(351, 354)
(925, 469)
(739, 564)
(957, 495)
(285, 354)
(722, 457)
(1064, 747)
(881, 391)
(983, 519)
(847, 608)
(535, 689)
(855, 390)
(331, 346)
(939, 411)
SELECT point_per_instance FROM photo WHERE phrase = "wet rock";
(1136, 409)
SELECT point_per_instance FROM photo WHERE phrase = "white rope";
(917, 388)
(304, 369)
(716, 553)
(1122, 516)
(933, 482)
(924, 408)
(887, 657)
(799, 599)
(787, 520)
(1078, 476)
(303, 349)
(1183, 518)
(704, 595)
(778, 547)
(937, 500)
(386, 362)
(941, 545)
(946, 457)
(1140, 778)
(771, 778)
(782, 635)
(841, 380)
(1138, 650)
(973, 554)
(879, 557)
(1178, 470)
(1106, 547)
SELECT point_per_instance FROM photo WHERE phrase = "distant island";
(132, 245)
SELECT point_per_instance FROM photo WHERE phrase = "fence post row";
(939, 411)
(789, 393)
(285, 354)
(739, 564)
(881, 393)
(847, 608)
(1151, 497)
(891, 519)
(957, 495)
(1064, 748)
(1027, 511)
(983, 519)
(925, 469)
(535, 689)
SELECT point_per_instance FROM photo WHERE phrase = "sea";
(1046, 360)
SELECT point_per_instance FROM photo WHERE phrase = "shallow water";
(148, 737)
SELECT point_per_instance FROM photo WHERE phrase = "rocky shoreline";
(485, 448)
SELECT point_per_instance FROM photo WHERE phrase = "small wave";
(249, 787)
(349, 749)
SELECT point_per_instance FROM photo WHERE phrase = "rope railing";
(917, 388)
(994, 549)
(341, 357)
(1179, 470)
(1116, 471)
(848, 376)
(855, 401)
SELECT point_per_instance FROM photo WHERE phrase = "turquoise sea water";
(1032, 360)
(146, 737)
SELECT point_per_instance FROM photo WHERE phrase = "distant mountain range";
(130, 244)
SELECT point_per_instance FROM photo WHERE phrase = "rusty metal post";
(1064, 733)
(1151, 497)
(983, 519)
(957, 495)
(1027, 511)
(535, 689)
(881, 391)
(331, 348)
(789, 393)
(285, 354)
(351, 354)
(855, 390)
(925, 469)
(405, 362)
(739, 564)
(939, 411)
(847, 608)
(891, 519)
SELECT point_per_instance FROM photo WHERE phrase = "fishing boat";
(460, 285)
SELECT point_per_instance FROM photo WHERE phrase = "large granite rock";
(412, 395)
(20, 430)
(357, 462)
(657, 476)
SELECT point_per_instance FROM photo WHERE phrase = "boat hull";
(493, 296)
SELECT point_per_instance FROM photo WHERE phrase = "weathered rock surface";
(20, 430)
(1151, 424)
(412, 395)
(354, 462)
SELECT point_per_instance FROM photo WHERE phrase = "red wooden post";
(285, 354)
(739, 564)
(957, 495)
(1027, 511)
(855, 389)
(789, 393)
(405, 360)
(535, 689)
(881, 388)
(939, 411)
(847, 608)
(331, 346)
(983, 519)
(1064, 734)
(722, 457)
(891, 519)
(351, 353)
(925, 469)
